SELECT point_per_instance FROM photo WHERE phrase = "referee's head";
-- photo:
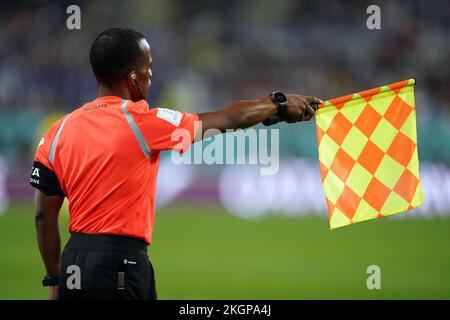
(121, 61)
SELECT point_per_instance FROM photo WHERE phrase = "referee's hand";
(299, 108)
(54, 293)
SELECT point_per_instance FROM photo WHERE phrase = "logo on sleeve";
(35, 172)
(41, 142)
(172, 116)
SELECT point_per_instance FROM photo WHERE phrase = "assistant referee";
(104, 158)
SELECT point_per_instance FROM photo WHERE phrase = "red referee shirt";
(104, 158)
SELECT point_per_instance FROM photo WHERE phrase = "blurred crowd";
(209, 54)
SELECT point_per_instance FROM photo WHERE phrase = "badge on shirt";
(172, 116)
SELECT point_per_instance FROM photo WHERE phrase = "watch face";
(280, 97)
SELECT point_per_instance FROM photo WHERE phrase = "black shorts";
(107, 267)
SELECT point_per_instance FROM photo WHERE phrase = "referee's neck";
(118, 91)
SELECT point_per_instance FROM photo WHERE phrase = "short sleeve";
(45, 144)
(45, 180)
(166, 129)
(43, 176)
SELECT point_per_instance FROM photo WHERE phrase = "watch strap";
(281, 105)
(50, 281)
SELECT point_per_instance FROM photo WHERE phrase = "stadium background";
(220, 232)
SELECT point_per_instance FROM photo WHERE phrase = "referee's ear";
(133, 87)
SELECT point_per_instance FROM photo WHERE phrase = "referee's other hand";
(54, 293)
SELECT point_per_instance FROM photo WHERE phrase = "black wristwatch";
(50, 281)
(280, 100)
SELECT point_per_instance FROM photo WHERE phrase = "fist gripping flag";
(368, 154)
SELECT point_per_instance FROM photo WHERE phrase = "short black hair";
(114, 53)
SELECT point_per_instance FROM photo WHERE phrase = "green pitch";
(200, 252)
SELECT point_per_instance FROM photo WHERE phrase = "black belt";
(106, 242)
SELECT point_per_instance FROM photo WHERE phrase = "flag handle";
(278, 118)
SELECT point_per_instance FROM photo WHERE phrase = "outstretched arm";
(244, 114)
(47, 233)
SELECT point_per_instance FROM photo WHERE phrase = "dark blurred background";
(208, 54)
